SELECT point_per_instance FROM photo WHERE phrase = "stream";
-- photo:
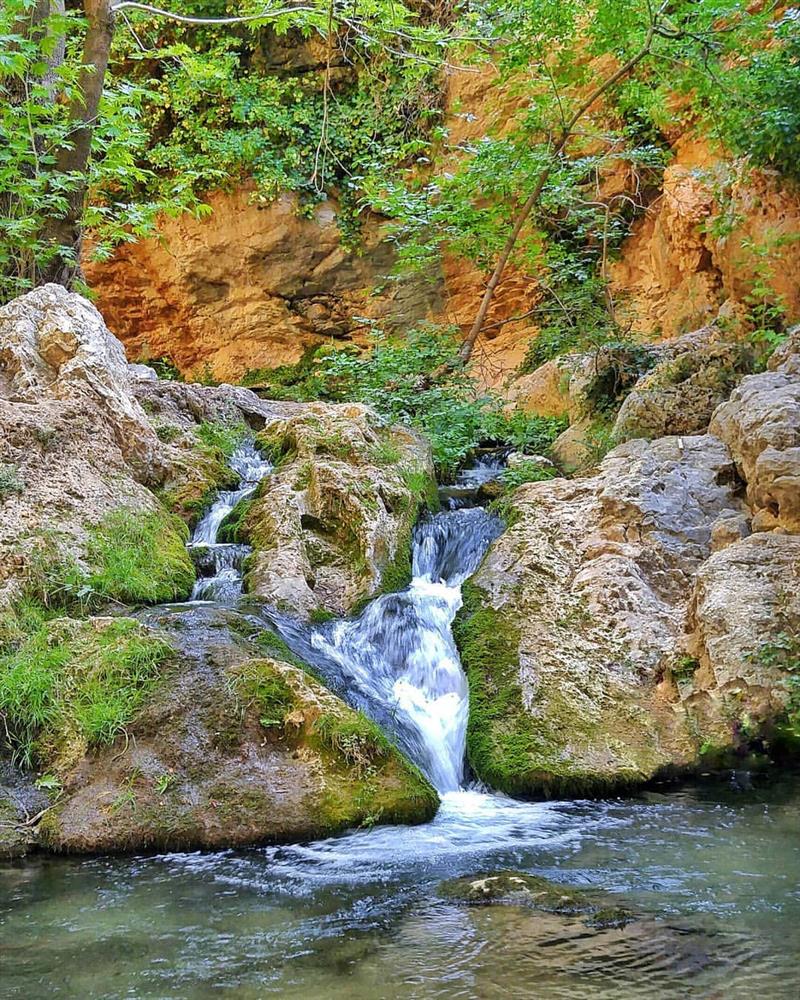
(712, 869)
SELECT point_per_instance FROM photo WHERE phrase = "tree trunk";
(65, 233)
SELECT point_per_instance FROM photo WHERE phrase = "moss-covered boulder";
(232, 744)
(331, 526)
(583, 630)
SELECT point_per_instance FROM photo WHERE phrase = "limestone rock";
(694, 374)
(581, 604)
(332, 524)
(55, 344)
(745, 606)
(253, 285)
(236, 746)
(760, 424)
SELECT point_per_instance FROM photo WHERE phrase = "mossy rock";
(235, 747)
(599, 910)
(138, 557)
(544, 747)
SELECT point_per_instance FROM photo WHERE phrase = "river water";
(711, 870)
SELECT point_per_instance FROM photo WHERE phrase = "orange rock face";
(252, 286)
(681, 263)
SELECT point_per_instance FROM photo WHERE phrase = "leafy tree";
(601, 82)
(173, 116)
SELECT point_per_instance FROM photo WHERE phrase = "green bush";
(529, 471)
(10, 481)
(418, 380)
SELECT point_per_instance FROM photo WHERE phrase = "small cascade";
(463, 491)
(398, 662)
(219, 564)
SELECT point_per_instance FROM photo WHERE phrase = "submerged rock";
(234, 746)
(521, 889)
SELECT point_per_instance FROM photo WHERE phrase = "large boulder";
(55, 345)
(332, 524)
(630, 621)
(760, 424)
(744, 622)
(88, 439)
(572, 618)
(233, 746)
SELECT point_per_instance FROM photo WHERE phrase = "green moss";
(367, 780)
(354, 739)
(319, 616)
(219, 437)
(209, 470)
(507, 746)
(137, 557)
(76, 684)
(233, 527)
(261, 685)
(278, 447)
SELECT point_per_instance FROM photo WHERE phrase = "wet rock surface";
(235, 746)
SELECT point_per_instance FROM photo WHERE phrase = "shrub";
(10, 481)
(420, 382)
(530, 471)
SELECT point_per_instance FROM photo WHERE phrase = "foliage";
(728, 65)
(69, 681)
(188, 108)
(418, 381)
(529, 471)
(10, 481)
(137, 557)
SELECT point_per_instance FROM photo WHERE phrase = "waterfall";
(220, 564)
(398, 662)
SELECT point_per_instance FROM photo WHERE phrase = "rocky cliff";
(640, 618)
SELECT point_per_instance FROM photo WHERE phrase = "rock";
(543, 391)
(575, 613)
(55, 344)
(20, 803)
(760, 424)
(745, 609)
(694, 374)
(332, 524)
(253, 285)
(235, 746)
(678, 269)
(728, 528)
(93, 436)
(512, 888)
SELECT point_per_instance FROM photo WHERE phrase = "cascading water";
(361, 915)
(398, 662)
(219, 564)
